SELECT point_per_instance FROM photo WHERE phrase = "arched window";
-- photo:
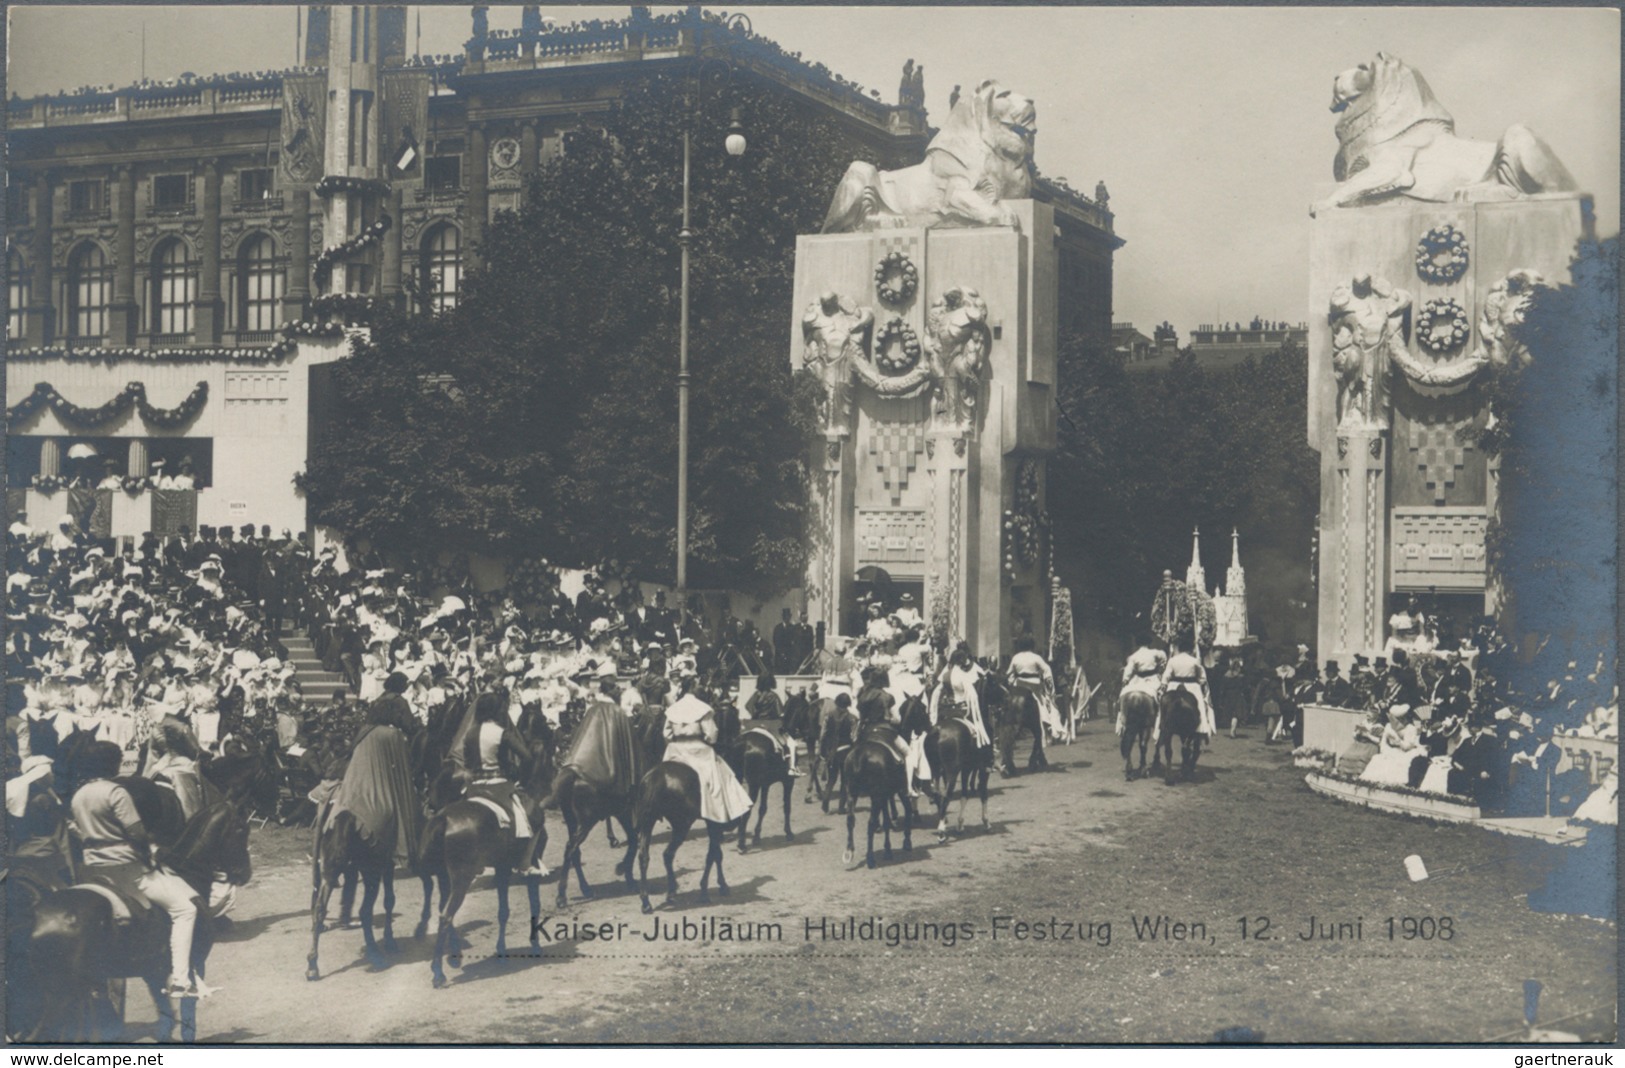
(17, 292)
(88, 284)
(442, 271)
(260, 285)
(174, 288)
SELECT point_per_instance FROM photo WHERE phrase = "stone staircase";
(317, 683)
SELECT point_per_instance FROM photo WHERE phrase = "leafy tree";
(556, 432)
(1144, 457)
(1554, 543)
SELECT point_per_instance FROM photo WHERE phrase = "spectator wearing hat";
(908, 613)
(784, 645)
(1335, 689)
(111, 479)
(184, 477)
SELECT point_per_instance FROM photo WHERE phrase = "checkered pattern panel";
(1439, 455)
(895, 449)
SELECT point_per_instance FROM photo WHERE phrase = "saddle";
(778, 743)
(130, 906)
(498, 796)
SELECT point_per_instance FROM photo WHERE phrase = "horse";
(835, 736)
(956, 762)
(1181, 715)
(341, 850)
(76, 945)
(871, 769)
(1139, 711)
(761, 765)
(1018, 711)
(462, 839)
(671, 792)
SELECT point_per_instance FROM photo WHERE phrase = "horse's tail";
(564, 777)
(432, 847)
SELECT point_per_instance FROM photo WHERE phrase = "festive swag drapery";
(135, 394)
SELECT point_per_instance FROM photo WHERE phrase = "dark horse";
(1139, 711)
(671, 792)
(761, 765)
(1017, 711)
(1182, 716)
(956, 761)
(871, 769)
(465, 837)
(343, 850)
(77, 946)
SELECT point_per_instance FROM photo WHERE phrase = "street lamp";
(734, 144)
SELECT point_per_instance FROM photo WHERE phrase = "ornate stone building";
(188, 232)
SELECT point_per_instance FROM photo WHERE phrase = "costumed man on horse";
(118, 851)
(1029, 673)
(767, 716)
(956, 693)
(1184, 671)
(877, 706)
(1141, 674)
(377, 784)
(489, 740)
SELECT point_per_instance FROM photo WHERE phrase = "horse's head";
(446, 786)
(213, 845)
(913, 715)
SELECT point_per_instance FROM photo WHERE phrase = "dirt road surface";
(1154, 881)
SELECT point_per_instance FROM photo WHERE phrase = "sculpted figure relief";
(982, 157)
(833, 332)
(1367, 319)
(1396, 139)
(1501, 317)
(958, 340)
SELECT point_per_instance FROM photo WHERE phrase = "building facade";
(219, 236)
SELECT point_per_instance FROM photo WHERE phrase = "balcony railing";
(256, 205)
(172, 210)
(87, 214)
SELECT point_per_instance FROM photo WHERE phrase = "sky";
(1210, 126)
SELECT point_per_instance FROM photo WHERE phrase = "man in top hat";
(1335, 689)
(784, 641)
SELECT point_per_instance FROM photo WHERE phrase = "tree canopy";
(1143, 457)
(539, 417)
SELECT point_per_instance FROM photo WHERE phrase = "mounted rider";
(118, 851)
(1184, 671)
(490, 740)
(1141, 674)
(1029, 673)
(766, 710)
(955, 693)
(174, 764)
(691, 733)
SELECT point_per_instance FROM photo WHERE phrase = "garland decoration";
(135, 394)
(343, 183)
(137, 483)
(1442, 325)
(370, 236)
(98, 354)
(896, 265)
(352, 308)
(1023, 521)
(1441, 255)
(47, 483)
(901, 359)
